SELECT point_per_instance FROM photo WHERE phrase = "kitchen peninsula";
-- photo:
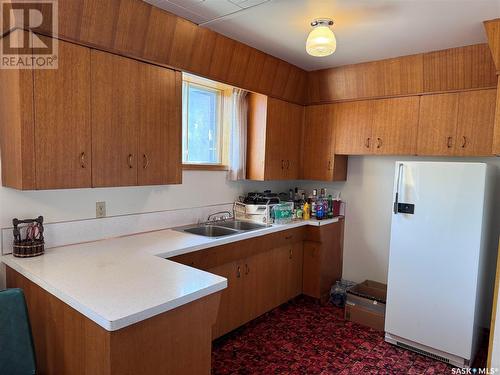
(128, 305)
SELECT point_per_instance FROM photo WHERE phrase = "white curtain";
(238, 144)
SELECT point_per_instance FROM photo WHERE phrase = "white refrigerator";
(437, 255)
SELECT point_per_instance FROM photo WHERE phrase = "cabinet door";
(274, 148)
(231, 310)
(265, 273)
(311, 278)
(294, 270)
(115, 115)
(353, 127)
(318, 143)
(476, 121)
(291, 133)
(160, 126)
(62, 121)
(395, 124)
(437, 124)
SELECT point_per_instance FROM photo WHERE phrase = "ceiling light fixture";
(321, 40)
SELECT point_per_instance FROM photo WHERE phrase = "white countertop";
(121, 281)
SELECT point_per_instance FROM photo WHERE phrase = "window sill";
(204, 167)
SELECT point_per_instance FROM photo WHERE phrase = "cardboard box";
(366, 304)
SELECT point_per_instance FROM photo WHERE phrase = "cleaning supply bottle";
(306, 215)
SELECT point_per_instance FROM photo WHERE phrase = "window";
(204, 123)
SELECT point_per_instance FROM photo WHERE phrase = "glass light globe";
(321, 41)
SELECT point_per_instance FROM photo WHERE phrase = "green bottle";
(330, 207)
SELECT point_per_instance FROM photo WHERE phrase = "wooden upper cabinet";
(62, 118)
(353, 127)
(395, 125)
(136, 122)
(318, 159)
(274, 138)
(160, 127)
(457, 124)
(437, 124)
(274, 155)
(291, 133)
(317, 150)
(476, 121)
(115, 118)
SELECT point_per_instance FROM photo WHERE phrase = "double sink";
(221, 228)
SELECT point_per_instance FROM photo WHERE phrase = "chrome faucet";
(219, 216)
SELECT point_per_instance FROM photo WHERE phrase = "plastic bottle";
(306, 215)
(330, 207)
(313, 203)
(320, 209)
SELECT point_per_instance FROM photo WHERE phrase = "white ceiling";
(365, 29)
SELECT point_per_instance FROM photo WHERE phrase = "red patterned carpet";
(302, 337)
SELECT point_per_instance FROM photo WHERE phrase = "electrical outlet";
(100, 209)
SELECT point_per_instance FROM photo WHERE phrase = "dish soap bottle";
(306, 215)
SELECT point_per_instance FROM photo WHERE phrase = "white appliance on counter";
(437, 256)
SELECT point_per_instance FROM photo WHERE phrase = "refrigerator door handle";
(396, 199)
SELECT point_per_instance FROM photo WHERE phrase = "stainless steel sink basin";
(211, 231)
(221, 228)
(240, 225)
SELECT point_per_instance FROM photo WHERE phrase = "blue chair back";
(17, 355)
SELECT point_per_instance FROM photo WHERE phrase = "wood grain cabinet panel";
(353, 128)
(458, 124)
(160, 126)
(136, 124)
(291, 138)
(395, 125)
(17, 129)
(459, 68)
(317, 150)
(323, 253)
(115, 116)
(231, 309)
(274, 138)
(476, 121)
(437, 124)
(294, 270)
(318, 159)
(62, 118)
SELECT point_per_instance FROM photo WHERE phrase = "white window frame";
(223, 121)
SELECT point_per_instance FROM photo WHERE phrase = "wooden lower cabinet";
(267, 271)
(231, 309)
(323, 253)
(258, 284)
(178, 341)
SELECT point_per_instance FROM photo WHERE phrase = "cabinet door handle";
(282, 164)
(145, 165)
(464, 143)
(83, 162)
(247, 269)
(288, 164)
(379, 142)
(329, 165)
(367, 143)
(129, 160)
(288, 237)
(238, 272)
(449, 142)
(290, 255)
